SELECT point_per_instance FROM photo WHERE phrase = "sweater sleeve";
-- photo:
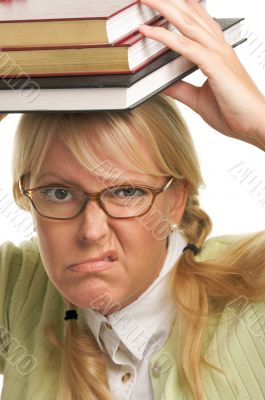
(17, 269)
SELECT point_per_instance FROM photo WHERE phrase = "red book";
(71, 22)
(128, 56)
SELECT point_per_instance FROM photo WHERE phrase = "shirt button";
(125, 378)
(156, 369)
(108, 325)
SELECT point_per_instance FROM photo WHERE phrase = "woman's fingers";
(189, 18)
(206, 59)
(193, 42)
(208, 20)
(201, 15)
(184, 92)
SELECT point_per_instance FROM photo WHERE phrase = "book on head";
(103, 92)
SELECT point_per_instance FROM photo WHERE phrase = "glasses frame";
(93, 196)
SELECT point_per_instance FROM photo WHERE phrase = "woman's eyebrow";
(69, 182)
(61, 180)
(106, 183)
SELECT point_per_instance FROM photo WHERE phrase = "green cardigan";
(29, 302)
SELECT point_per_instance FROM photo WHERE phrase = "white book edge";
(129, 19)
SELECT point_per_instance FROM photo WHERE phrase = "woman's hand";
(229, 100)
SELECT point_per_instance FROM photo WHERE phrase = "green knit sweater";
(29, 302)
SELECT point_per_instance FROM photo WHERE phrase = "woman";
(152, 310)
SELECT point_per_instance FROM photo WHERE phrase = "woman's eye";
(56, 194)
(128, 192)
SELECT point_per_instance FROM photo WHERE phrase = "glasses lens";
(126, 201)
(58, 202)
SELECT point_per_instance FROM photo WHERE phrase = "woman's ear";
(178, 199)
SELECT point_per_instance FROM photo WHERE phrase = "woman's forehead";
(60, 163)
(107, 162)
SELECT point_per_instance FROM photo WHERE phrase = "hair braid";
(196, 226)
(82, 366)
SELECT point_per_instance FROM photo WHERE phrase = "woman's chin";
(96, 298)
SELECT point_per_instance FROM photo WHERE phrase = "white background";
(234, 173)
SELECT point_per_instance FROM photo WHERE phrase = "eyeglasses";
(63, 202)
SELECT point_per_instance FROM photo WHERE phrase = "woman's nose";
(93, 223)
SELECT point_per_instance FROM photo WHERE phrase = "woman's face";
(138, 250)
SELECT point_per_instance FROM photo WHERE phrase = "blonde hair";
(115, 135)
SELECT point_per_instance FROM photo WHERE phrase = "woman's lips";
(99, 263)
(93, 266)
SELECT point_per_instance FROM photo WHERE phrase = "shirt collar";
(144, 325)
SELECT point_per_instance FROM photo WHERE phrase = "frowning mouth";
(96, 264)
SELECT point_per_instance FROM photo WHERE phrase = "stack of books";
(85, 55)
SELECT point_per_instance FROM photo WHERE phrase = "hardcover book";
(70, 22)
(126, 57)
(103, 92)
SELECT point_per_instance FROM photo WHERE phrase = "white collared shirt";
(130, 336)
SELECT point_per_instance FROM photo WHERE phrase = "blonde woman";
(121, 295)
